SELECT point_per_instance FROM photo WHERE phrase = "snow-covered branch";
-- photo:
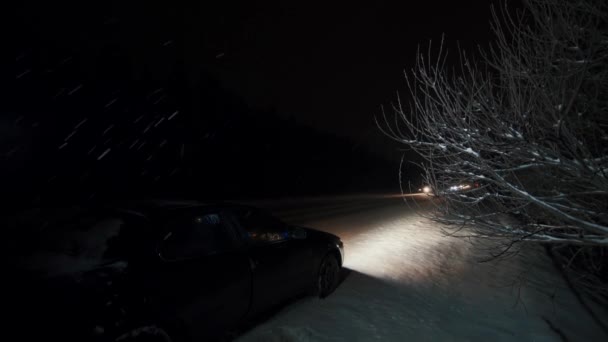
(527, 124)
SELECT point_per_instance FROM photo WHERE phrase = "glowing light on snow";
(403, 251)
(410, 280)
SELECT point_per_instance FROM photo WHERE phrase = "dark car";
(160, 272)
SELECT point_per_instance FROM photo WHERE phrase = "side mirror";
(165, 248)
(297, 233)
(164, 253)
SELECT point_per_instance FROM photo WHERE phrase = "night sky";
(284, 93)
(332, 66)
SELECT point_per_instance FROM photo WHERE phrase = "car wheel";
(150, 333)
(329, 276)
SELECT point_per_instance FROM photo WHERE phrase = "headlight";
(341, 249)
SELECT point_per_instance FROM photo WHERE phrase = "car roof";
(147, 209)
(153, 207)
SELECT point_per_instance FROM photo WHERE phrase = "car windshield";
(261, 227)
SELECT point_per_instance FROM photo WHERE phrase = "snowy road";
(409, 282)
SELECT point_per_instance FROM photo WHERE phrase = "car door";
(204, 277)
(280, 263)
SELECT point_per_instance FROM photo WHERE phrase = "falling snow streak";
(80, 123)
(156, 91)
(66, 60)
(92, 149)
(133, 144)
(23, 73)
(173, 115)
(70, 135)
(111, 102)
(59, 93)
(147, 128)
(160, 99)
(20, 56)
(77, 88)
(108, 129)
(104, 154)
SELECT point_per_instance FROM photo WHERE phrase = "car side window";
(195, 235)
(260, 227)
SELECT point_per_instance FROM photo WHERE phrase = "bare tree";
(523, 130)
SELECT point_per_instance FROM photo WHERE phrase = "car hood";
(315, 234)
(328, 240)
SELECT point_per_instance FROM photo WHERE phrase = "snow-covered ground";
(410, 282)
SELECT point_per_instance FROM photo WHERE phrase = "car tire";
(149, 333)
(328, 276)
